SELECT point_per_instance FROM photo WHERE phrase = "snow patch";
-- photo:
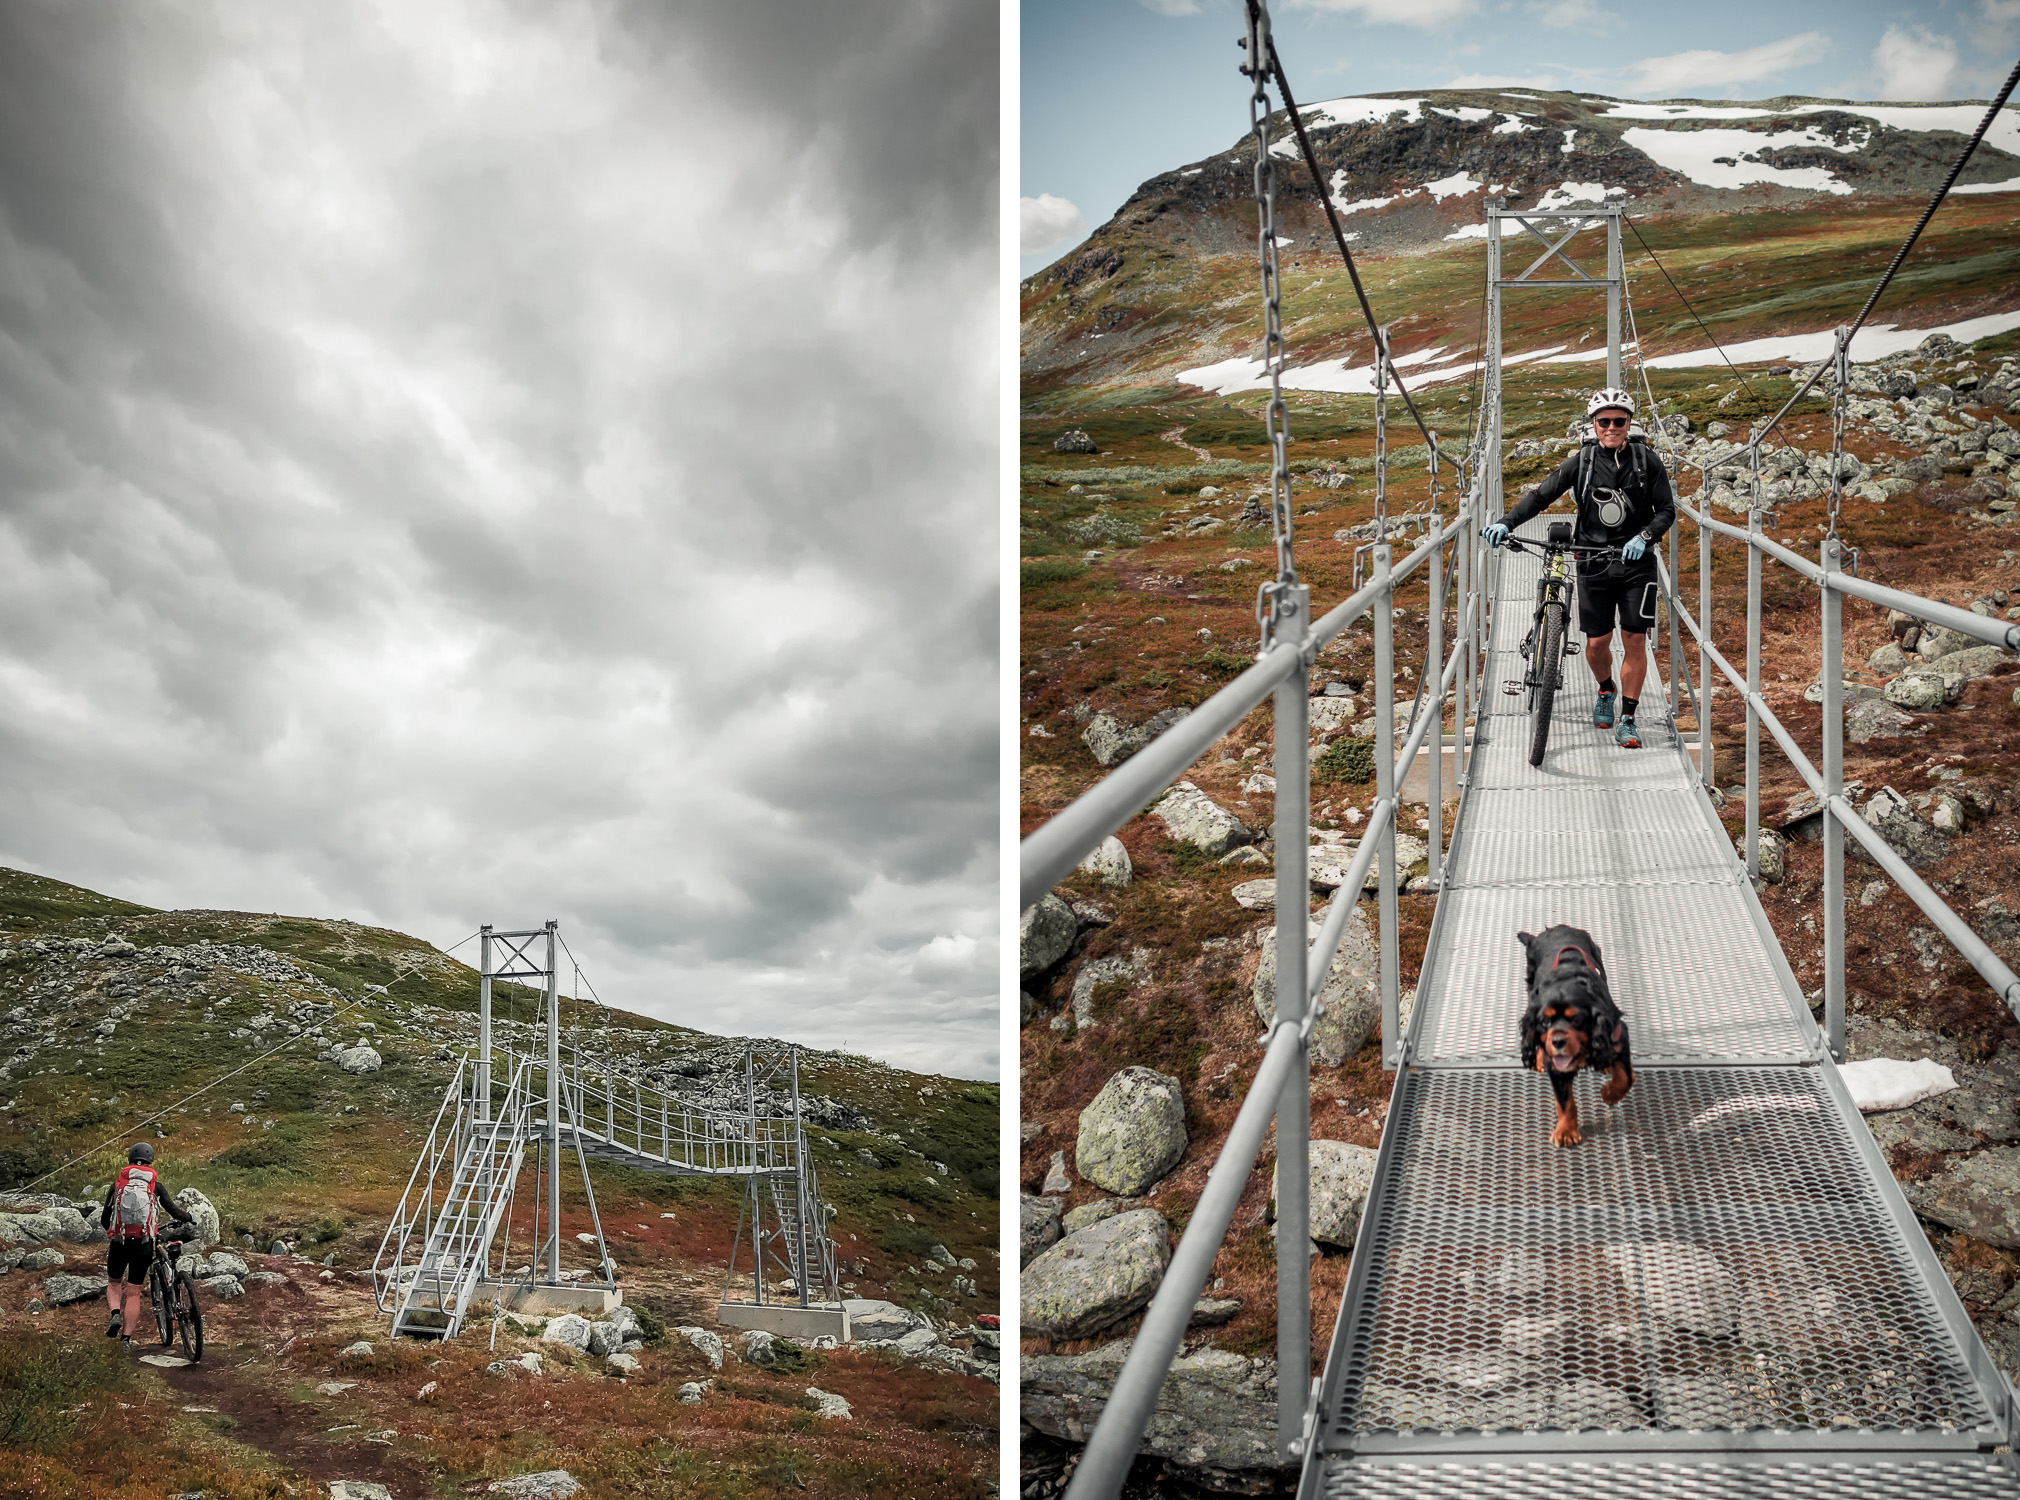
(1569, 136)
(1468, 232)
(1881, 1083)
(1456, 186)
(1511, 126)
(1360, 111)
(1567, 193)
(1729, 158)
(1464, 112)
(1192, 171)
(1871, 342)
(2011, 185)
(1960, 119)
(1285, 149)
(1359, 205)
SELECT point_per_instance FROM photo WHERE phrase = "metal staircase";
(433, 1298)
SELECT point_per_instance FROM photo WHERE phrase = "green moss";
(1349, 760)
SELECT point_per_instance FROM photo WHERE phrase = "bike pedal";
(1572, 648)
(1512, 688)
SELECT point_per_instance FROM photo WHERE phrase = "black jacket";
(1651, 506)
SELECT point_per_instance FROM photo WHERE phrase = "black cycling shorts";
(128, 1260)
(1631, 595)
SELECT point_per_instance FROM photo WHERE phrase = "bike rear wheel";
(188, 1318)
(1549, 667)
(158, 1295)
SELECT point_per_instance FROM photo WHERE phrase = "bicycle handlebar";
(1516, 544)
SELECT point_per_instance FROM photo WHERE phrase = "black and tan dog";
(1572, 1022)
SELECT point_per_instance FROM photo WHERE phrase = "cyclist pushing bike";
(1624, 500)
(131, 1218)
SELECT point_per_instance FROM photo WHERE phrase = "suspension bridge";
(507, 1120)
(1722, 1291)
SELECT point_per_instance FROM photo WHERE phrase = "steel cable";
(1686, 306)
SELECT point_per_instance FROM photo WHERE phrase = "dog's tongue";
(1563, 1064)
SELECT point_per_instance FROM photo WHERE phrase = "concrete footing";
(593, 1302)
(788, 1319)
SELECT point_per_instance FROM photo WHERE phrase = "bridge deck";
(1722, 1291)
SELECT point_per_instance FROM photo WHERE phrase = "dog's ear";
(1593, 948)
(1532, 1038)
(1527, 940)
(1600, 1051)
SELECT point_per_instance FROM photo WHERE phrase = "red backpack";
(133, 1208)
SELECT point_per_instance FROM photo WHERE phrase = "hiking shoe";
(1625, 737)
(126, 1345)
(114, 1328)
(1602, 711)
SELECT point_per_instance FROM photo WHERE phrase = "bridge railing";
(1826, 783)
(1281, 1089)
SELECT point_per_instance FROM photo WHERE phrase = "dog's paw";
(1616, 1086)
(1566, 1134)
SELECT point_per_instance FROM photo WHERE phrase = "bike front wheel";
(1549, 666)
(188, 1318)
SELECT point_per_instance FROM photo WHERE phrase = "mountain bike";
(1548, 641)
(172, 1290)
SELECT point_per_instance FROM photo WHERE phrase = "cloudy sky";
(1116, 91)
(485, 461)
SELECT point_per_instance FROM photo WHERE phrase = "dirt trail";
(1177, 435)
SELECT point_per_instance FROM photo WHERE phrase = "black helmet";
(140, 1152)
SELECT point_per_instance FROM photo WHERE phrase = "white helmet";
(1609, 397)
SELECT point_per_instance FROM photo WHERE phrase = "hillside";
(111, 1013)
(1141, 560)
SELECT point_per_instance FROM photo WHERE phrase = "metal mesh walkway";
(1722, 1291)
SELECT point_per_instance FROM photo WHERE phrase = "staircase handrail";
(402, 1222)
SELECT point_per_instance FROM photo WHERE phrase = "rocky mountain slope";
(1148, 294)
(286, 1070)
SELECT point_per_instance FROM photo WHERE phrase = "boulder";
(58, 1222)
(1096, 1278)
(1875, 719)
(39, 1260)
(1126, 969)
(359, 1059)
(224, 1263)
(1090, 1214)
(548, 1484)
(828, 1404)
(1044, 934)
(1111, 742)
(359, 1350)
(201, 1209)
(1917, 689)
(571, 1329)
(1889, 660)
(1340, 1177)
(1770, 859)
(253, 1279)
(358, 1489)
(1352, 995)
(1192, 817)
(691, 1392)
(65, 1287)
(710, 1344)
(759, 1348)
(1038, 1225)
(872, 1319)
(1978, 1195)
(1132, 1133)
(1887, 812)
(1211, 1312)
(1976, 661)
(1073, 440)
(1216, 1410)
(625, 1363)
(224, 1288)
(1109, 863)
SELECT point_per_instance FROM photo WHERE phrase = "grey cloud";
(535, 482)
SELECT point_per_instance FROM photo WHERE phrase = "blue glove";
(1636, 545)
(1495, 534)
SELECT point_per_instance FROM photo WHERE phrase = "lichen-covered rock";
(1194, 818)
(1890, 815)
(1127, 969)
(1111, 742)
(1975, 661)
(58, 1222)
(1038, 1225)
(1340, 1176)
(1096, 1278)
(1875, 719)
(358, 1059)
(1132, 1133)
(1770, 854)
(1089, 1214)
(710, 1344)
(200, 1208)
(1916, 690)
(548, 1484)
(1216, 1410)
(1979, 1195)
(1073, 440)
(1044, 934)
(1109, 863)
(828, 1404)
(64, 1287)
(571, 1329)
(1352, 995)
(224, 1288)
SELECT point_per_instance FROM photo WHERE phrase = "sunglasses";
(1609, 421)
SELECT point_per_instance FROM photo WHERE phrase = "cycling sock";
(1606, 686)
(1627, 707)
